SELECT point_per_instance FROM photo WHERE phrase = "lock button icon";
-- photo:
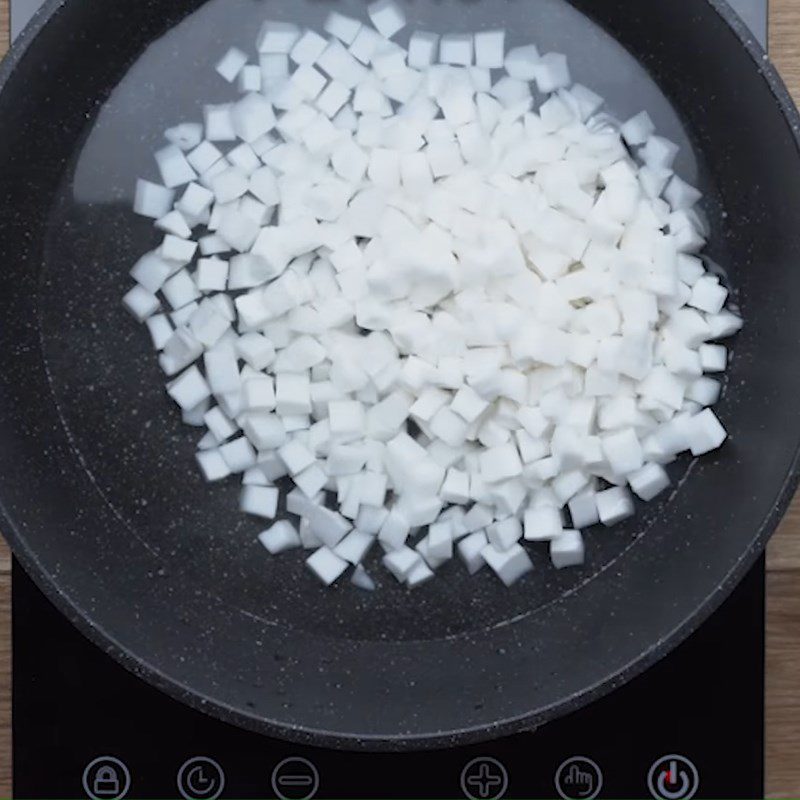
(106, 782)
(106, 778)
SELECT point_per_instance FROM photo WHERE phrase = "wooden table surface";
(783, 582)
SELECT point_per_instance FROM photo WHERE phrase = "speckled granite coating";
(98, 491)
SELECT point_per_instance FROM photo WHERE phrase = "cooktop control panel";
(692, 725)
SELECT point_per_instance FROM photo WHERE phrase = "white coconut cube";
(218, 123)
(293, 393)
(274, 69)
(282, 536)
(354, 547)
(187, 135)
(400, 562)
(659, 152)
(490, 49)
(455, 488)
(623, 451)
(212, 465)
(342, 27)
(231, 64)
(141, 303)
(253, 116)
(296, 456)
(470, 551)
(583, 510)
(542, 523)
(190, 389)
(420, 573)
(477, 518)
(160, 330)
(521, 62)
(567, 550)
(308, 48)
(614, 505)
(347, 418)
(362, 580)
(152, 200)
(326, 565)
(724, 324)
(440, 541)
(340, 65)
(649, 481)
(422, 49)
(552, 73)
(713, 357)
(219, 424)
(509, 565)
(311, 480)
(333, 98)
(366, 43)
(395, 530)
(705, 433)
(500, 463)
(638, 129)
(174, 168)
(468, 404)
(457, 49)
(238, 454)
(504, 534)
(708, 295)
(387, 17)
(250, 78)
(277, 37)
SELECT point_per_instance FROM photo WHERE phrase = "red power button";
(673, 777)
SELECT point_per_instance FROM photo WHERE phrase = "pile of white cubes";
(457, 310)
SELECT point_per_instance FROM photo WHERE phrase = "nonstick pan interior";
(102, 500)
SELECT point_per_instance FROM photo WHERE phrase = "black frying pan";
(100, 498)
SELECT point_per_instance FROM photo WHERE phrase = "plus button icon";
(484, 779)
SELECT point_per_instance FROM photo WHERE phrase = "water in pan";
(110, 389)
(753, 12)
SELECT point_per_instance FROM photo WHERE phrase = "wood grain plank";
(784, 550)
(5, 558)
(783, 556)
(783, 695)
(5, 686)
(785, 41)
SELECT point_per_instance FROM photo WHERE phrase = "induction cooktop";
(690, 726)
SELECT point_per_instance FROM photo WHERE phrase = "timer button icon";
(673, 777)
(201, 778)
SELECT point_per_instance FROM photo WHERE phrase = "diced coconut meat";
(509, 565)
(387, 17)
(282, 536)
(362, 579)
(567, 550)
(231, 64)
(516, 365)
(326, 565)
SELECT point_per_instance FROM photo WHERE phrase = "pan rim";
(526, 721)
